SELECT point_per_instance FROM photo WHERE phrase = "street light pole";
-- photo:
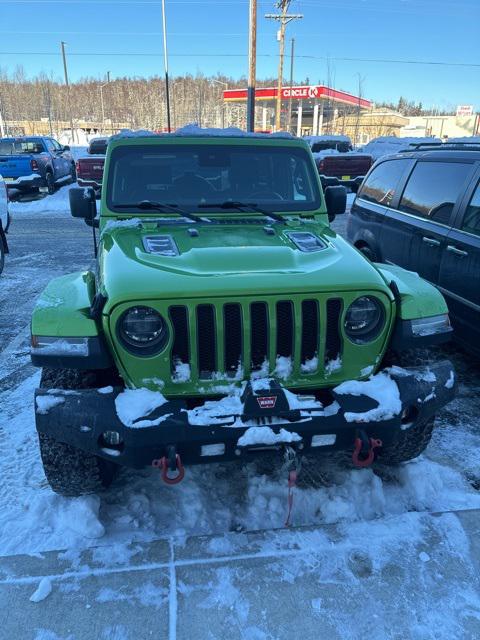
(225, 84)
(252, 66)
(165, 58)
(69, 105)
(101, 100)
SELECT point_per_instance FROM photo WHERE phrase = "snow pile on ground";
(56, 203)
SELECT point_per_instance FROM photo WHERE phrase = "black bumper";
(79, 418)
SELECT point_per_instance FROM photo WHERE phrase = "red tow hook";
(162, 464)
(364, 449)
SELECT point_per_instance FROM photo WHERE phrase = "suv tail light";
(77, 166)
(34, 165)
(321, 165)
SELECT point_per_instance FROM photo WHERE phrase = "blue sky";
(210, 36)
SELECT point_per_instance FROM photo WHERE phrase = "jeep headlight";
(364, 320)
(143, 331)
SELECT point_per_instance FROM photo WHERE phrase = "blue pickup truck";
(36, 162)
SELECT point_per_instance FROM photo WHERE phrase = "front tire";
(410, 443)
(50, 183)
(70, 471)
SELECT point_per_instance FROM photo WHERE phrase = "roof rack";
(442, 146)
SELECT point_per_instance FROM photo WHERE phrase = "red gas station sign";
(315, 92)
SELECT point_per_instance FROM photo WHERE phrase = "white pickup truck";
(4, 222)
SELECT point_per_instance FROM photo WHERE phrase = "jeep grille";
(221, 338)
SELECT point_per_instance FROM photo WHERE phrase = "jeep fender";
(418, 298)
(63, 308)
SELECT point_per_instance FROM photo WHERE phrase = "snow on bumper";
(261, 414)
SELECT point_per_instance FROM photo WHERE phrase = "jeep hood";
(226, 260)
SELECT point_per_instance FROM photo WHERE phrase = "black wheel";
(73, 173)
(70, 471)
(369, 253)
(410, 444)
(50, 183)
(2, 255)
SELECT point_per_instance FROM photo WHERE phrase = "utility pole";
(292, 55)
(284, 18)
(165, 58)
(69, 104)
(252, 66)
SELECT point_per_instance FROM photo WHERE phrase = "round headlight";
(364, 320)
(143, 331)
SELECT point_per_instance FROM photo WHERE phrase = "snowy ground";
(45, 241)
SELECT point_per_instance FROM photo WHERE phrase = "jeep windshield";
(192, 176)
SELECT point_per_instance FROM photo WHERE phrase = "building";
(314, 109)
(444, 127)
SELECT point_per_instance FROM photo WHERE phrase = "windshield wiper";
(160, 206)
(241, 206)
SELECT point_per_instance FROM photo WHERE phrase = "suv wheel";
(70, 471)
(368, 252)
(2, 255)
(50, 183)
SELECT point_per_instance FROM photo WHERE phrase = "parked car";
(90, 168)
(335, 158)
(224, 316)
(35, 162)
(4, 222)
(421, 210)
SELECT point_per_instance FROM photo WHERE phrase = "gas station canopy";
(316, 92)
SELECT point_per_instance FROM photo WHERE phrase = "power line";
(441, 63)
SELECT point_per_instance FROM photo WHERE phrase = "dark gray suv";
(421, 210)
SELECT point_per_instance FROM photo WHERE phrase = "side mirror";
(336, 201)
(83, 204)
(66, 148)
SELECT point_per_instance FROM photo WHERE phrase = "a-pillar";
(319, 130)
(299, 120)
(315, 119)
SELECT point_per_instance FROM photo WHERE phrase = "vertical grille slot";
(232, 330)
(206, 340)
(180, 347)
(333, 345)
(258, 334)
(285, 329)
(310, 331)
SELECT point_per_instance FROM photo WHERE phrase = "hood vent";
(306, 242)
(160, 245)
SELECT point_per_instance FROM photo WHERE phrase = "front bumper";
(80, 418)
(25, 182)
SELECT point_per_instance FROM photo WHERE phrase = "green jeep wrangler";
(224, 318)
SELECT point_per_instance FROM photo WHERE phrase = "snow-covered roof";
(388, 145)
(326, 138)
(193, 130)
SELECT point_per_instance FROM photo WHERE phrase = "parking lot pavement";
(337, 581)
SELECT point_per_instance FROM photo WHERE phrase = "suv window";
(50, 145)
(381, 185)
(471, 221)
(433, 189)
